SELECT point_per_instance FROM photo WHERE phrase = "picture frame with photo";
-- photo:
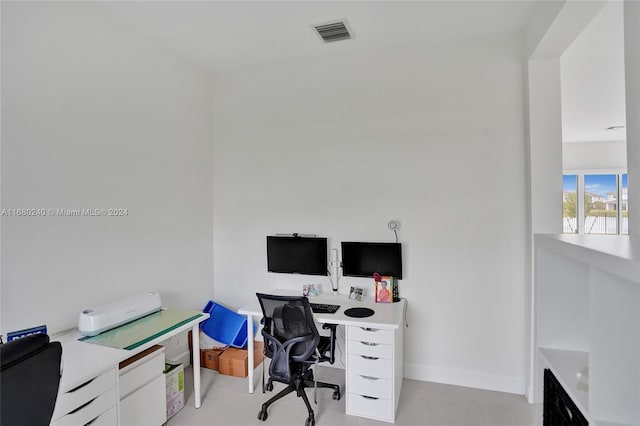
(356, 293)
(384, 290)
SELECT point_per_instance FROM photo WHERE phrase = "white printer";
(110, 315)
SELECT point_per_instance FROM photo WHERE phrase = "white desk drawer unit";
(370, 335)
(87, 402)
(143, 389)
(101, 385)
(141, 371)
(373, 384)
(378, 350)
(370, 386)
(370, 407)
(108, 418)
(145, 406)
(370, 366)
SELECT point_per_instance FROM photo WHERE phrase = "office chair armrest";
(280, 367)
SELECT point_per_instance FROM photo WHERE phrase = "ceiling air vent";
(333, 31)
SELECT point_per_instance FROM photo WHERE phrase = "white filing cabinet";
(142, 389)
(92, 402)
(374, 372)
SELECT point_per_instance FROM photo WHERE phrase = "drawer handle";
(88, 382)
(91, 421)
(369, 343)
(83, 405)
(369, 357)
(369, 329)
(369, 377)
(369, 397)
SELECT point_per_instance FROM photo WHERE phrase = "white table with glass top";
(88, 390)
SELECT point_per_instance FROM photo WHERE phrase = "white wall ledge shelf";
(565, 365)
(587, 302)
(616, 254)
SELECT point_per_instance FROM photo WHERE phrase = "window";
(570, 204)
(600, 204)
(595, 204)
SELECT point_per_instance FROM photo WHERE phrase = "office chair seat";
(294, 345)
(29, 380)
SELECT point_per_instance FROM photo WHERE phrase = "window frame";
(580, 220)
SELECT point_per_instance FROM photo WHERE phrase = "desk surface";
(387, 315)
(137, 333)
(82, 361)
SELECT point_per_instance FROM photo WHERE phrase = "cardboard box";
(258, 353)
(234, 361)
(209, 358)
(174, 405)
(174, 377)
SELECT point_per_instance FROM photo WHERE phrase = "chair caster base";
(310, 421)
(262, 415)
(336, 395)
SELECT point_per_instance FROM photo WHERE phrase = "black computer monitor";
(297, 255)
(360, 259)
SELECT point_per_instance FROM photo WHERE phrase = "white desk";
(85, 362)
(373, 351)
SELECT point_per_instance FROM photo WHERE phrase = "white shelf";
(616, 254)
(565, 365)
(587, 302)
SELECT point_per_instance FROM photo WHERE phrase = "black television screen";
(297, 255)
(364, 259)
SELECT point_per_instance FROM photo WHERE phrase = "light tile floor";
(226, 402)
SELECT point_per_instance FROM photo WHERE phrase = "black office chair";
(293, 343)
(29, 380)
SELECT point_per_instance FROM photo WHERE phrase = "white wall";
(96, 116)
(592, 70)
(545, 152)
(632, 94)
(596, 156)
(592, 73)
(432, 136)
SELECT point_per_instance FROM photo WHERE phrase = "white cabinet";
(374, 371)
(146, 406)
(97, 387)
(587, 323)
(108, 418)
(142, 389)
(92, 400)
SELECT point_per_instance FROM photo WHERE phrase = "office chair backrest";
(289, 331)
(29, 380)
(289, 321)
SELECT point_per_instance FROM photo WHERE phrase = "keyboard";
(324, 308)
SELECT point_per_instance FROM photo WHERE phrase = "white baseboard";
(471, 379)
